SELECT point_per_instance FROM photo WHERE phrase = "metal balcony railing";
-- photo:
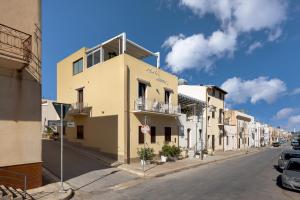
(17, 45)
(141, 104)
(79, 108)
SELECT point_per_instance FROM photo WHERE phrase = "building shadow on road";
(279, 184)
(75, 162)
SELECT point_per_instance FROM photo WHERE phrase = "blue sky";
(215, 45)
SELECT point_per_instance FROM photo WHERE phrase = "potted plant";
(146, 155)
(170, 153)
(165, 153)
(204, 152)
(175, 152)
(197, 154)
(48, 132)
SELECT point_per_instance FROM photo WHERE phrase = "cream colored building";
(213, 115)
(113, 93)
(237, 129)
(20, 88)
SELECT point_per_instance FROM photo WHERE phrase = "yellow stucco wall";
(213, 127)
(103, 90)
(158, 80)
(111, 88)
(233, 117)
(20, 99)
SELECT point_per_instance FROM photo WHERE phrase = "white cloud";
(236, 17)
(196, 51)
(244, 15)
(296, 91)
(294, 122)
(284, 113)
(274, 34)
(221, 9)
(259, 89)
(256, 15)
(254, 46)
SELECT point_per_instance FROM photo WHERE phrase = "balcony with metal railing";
(142, 105)
(16, 51)
(80, 109)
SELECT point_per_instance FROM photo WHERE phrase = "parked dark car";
(290, 177)
(295, 143)
(276, 144)
(286, 156)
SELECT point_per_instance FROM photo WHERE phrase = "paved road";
(250, 177)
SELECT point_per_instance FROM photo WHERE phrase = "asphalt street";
(251, 177)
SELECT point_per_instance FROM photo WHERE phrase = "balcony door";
(142, 96)
(80, 98)
(142, 91)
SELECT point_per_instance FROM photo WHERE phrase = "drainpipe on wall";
(126, 116)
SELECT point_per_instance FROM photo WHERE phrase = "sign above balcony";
(156, 73)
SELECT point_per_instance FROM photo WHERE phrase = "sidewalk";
(52, 191)
(157, 170)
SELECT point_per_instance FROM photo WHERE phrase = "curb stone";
(69, 194)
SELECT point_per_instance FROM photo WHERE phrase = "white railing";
(142, 104)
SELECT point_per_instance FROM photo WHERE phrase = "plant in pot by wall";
(204, 153)
(169, 152)
(165, 153)
(175, 151)
(146, 155)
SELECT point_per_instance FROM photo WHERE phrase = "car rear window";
(294, 166)
(289, 156)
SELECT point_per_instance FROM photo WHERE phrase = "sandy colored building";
(237, 129)
(213, 115)
(113, 93)
(20, 88)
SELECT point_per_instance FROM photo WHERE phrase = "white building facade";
(48, 113)
(265, 137)
(213, 113)
(231, 137)
(257, 133)
(191, 137)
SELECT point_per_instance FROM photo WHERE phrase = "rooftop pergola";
(120, 44)
(190, 105)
